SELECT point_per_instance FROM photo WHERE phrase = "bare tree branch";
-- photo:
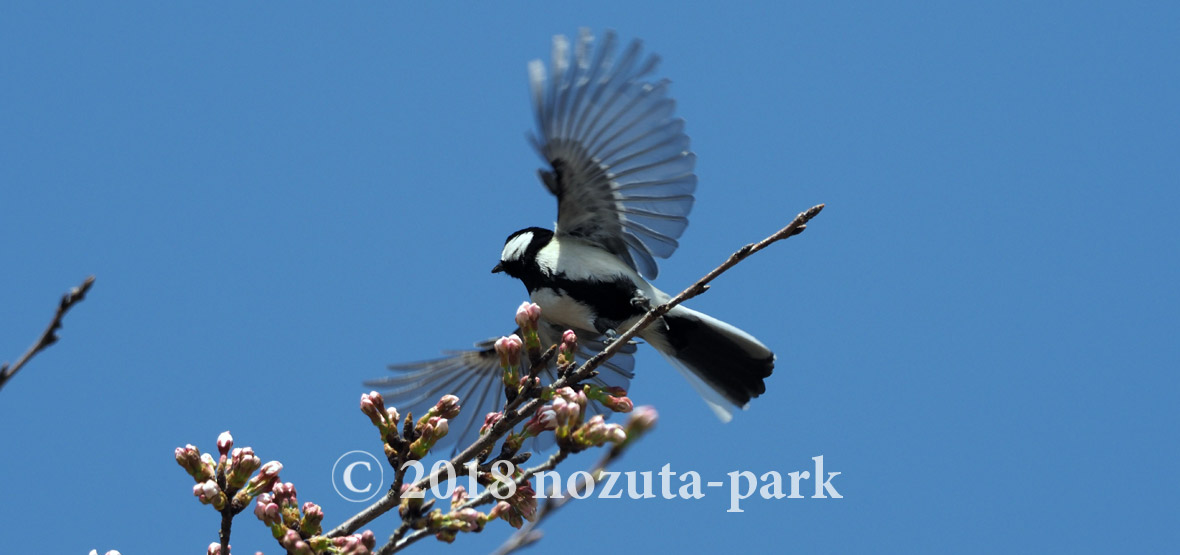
(486, 497)
(520, 409)
(528, 535)
(49, 336)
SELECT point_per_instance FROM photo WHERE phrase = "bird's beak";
(499, 268)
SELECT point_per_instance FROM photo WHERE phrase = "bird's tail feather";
(724, 364)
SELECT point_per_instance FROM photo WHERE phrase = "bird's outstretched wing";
(621, 167)
(475, 377)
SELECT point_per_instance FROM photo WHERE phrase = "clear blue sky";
(979, 332)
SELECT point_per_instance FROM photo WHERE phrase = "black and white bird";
(621, 169)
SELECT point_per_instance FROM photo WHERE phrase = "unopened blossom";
(509, 350)
(373, 406)
(294, 544)
(200, 466)
(431, 430)
(642, 419)
(261, 482)
(527, 316)
(267, 510)
(545, 418)
(210, 494)
(567, 349)
(614, 398)
(313, 515)
(356, 544)
(242, 464)
(490, 421)
(225, 441)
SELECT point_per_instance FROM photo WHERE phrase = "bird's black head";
(520, 250)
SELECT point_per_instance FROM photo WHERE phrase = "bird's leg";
(643, 303)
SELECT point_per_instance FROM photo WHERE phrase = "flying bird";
(620, 167)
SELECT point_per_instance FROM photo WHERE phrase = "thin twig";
(527, 535)
(516, 415)
(227, 522)
(794, 228)
(483, 498)
(49, 336)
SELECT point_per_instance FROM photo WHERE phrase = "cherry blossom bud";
(242, 464)
(261, 482)
(200, 466)
(569, 346)
(447, 407)
(500, 508)
(313, 515)
(431, 430)
(225, 441)
(294, 544)
(373, 405)
(489, 421)
(208, 493)
(267, 510)
(527, 316)
(642, 419)
(544, 419)
(509, 350)
(459, 496)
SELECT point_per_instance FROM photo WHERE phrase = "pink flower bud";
(224, 442)
(206, 490)
(527, 316)
(208, 493)
(447, 407)
(489, 421)
(271, 469)
(619, 404)
(572, 396)
(313, 515)
(263, 481)
(642, 419)
(267, 510)
(373, 406)
(500, 508)
(544, 419)
(295, 544)
(200, 466)
(459, 496)
(509, 350)
(242, 464)
(284, 493)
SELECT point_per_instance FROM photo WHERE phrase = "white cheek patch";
(515, 248)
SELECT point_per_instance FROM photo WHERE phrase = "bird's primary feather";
(620, 163)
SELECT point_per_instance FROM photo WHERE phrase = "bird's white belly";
(562, 310)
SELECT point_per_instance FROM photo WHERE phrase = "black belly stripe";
(608, 299)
